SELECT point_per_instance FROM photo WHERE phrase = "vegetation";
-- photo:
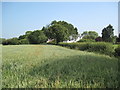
(117, 51)
(98, 47)
(12, 41)
(49, 66)
(89, 35)
(118, 39)
(37, 37)
(86, 40)
(108, 34)
(98, 39)
(59, 31)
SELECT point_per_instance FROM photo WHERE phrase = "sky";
(19, 17)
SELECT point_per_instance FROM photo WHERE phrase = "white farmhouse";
(73, 39)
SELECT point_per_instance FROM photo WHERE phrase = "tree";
(12, 41)
(22, 37)
(37, 37)
(108, 34)
(57, 32)
(89, 35)
(61, 30)
(28, 33)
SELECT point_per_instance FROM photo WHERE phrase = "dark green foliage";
(22, 37)
(23, 41)
(37, 37)
(89, 35)
(86, 40)
(28, 33)
(118, 39)
(12, 41)
(58, 33)
(98, 39)
(108, 34)
(117, 51)
(98, 47)
(69, 26)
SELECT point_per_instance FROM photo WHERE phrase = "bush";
(99, 47)
(12, 41)
(86, 40)
(98, 39)
(117, 51)
(37, 37)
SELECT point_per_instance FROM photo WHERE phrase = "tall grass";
(49, 66)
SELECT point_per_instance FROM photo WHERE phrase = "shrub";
(86, 40)
(98, 39)
(12, 41)
(117, 51)
(37, 37)
(99, 47)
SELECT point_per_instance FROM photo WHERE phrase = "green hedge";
(99, 47)
(86, 40)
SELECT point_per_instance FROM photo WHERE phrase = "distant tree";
(89, 35)
(37, 37)
(108, 34)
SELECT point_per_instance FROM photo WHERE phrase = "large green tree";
(89, 35)
(37, 37)
(108, 34)
(59, 30)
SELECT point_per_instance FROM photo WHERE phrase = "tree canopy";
(108, 34)
(89, 35)
(59, 30)
(37, 37)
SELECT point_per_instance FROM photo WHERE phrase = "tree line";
(61, 31)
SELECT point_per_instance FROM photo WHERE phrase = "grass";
(50, 66)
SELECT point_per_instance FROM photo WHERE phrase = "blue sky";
(19, 17)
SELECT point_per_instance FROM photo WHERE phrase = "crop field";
(50, 66)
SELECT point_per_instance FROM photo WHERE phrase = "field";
(50, 66)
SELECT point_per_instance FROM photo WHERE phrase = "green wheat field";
(50, 66)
